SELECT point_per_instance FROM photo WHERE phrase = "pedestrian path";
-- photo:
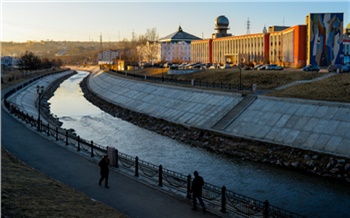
(305, 81)
(125, 194)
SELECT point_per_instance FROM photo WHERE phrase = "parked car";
(278, 68)
(346, 69)
(273, 67)
(257, 66)
(336, 67)
(263, 67)
(311, 67)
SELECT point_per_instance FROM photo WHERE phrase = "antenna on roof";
(248, 26)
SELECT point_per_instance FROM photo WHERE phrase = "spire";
(264, 29)
(180, 29)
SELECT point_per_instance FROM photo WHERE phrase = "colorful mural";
(325, 38)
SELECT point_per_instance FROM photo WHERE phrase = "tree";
(29, 61)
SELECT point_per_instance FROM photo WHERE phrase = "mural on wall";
(326, 38)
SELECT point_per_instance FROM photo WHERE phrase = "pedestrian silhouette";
(197, 184)
(104, 170)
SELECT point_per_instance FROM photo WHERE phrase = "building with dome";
(294, 46)
(176, 47)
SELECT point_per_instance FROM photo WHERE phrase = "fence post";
(92, 149)
(48, 129)
(56, 133)
(136, 166)
(160, 176)
(189, 186)
(223, 199)
(78, 143)
(66, 137)
(266, 209)
(41, 126)
(116, 158)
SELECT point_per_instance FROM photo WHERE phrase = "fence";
(174, 80)
(219, 198)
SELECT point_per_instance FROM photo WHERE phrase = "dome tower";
(221, 26)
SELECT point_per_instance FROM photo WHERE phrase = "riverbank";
(26, 192)
(324, 165)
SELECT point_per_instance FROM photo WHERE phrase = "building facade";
(108, 55)
(294, 46)
(324, 38)
(176, 47)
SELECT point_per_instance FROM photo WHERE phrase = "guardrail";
(219, 198)
(174, 80)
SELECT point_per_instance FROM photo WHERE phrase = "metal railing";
(222, 199)
(195, 83)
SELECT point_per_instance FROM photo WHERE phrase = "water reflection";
(304, 194)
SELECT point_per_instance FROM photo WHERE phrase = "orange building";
(285, 46)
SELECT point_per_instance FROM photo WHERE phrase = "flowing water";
(305, 194)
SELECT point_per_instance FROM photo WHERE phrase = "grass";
(10, 78)
(26, 192)
(336, 88)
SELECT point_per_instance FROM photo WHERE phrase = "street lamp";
(40, 91)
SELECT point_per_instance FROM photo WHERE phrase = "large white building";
(176, 47)
(108, 55)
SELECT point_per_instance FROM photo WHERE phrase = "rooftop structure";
(179, 36)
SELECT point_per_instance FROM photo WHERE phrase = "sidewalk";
(125, 194)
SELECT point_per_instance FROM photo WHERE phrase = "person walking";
(196, 190)
(104, 170)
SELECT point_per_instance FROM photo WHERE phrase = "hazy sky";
(85, 20)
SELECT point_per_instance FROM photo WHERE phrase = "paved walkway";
(127, 195)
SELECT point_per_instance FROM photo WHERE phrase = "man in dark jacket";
(104, 162)
(196, 190)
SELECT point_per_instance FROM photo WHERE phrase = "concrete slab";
(321, 142)
(282, 121)
(311, 140)
(300, 139)
(333, 143)
(291, 136)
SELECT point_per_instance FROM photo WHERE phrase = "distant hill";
(70, 52)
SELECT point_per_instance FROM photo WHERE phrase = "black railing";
(185, 82)
(222, 199)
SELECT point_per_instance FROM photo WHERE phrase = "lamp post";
(240, 77)
(40, 91)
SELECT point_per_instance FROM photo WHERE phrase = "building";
(108, 55)
(346, 44)
(294, 46)
(176, 47)
(324, 38)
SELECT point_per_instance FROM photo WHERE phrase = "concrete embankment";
(281, 118)
(312, 125)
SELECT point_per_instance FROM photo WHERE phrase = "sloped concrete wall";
(192, 107)
(313, 125)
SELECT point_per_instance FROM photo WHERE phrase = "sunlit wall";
(325, 38)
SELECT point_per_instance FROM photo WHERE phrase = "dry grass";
(26, 192)
(263, 79)
(10, 78)
(336, 88)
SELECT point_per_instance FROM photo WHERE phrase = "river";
(301, 193)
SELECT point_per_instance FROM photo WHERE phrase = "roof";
(178, 36)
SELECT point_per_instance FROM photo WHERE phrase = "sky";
(67, 20)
